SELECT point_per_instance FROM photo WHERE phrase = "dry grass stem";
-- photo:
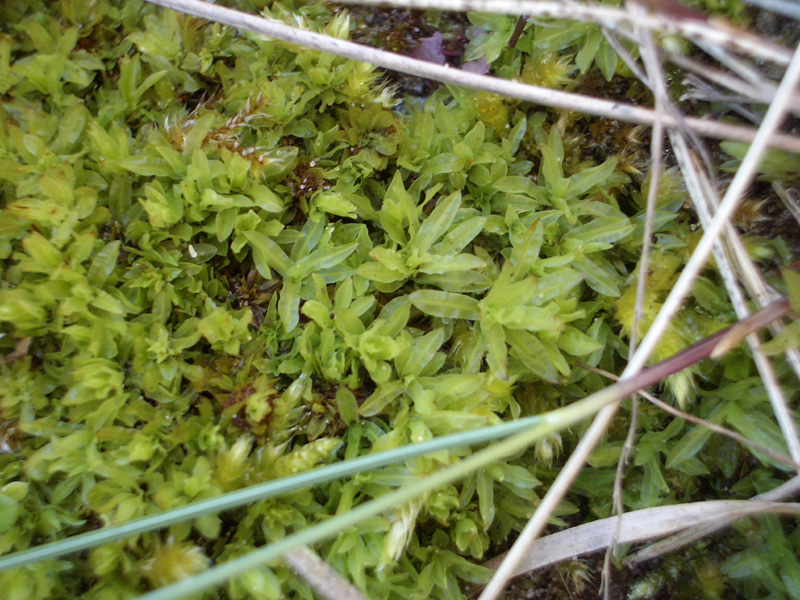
(718, 40)
(699, 29)
(322, 578)
(545, 96)
(641, 526)
(705, 201)
(680, 540)
(655, 75)
(778, 457)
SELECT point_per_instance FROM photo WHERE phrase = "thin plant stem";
(778, 457)
(671, 544)
(726, 209)
(744, 70)
(514, 89)
(789, 8)
(762, 94)
(656, 77)
(673, 302)
(261, 491)
(706, 203)
(544, 424)
(705, 200)
(699, 28)
(550, 502)
(322, 578)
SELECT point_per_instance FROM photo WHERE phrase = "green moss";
(225, 260)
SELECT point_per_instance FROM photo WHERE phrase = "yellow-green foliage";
(224, 260)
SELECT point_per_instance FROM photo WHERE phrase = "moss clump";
(224, 260)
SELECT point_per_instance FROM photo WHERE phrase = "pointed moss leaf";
(336, 203)
(486, 503)
(514, 184)
(594, 177)
(395, 319)
(213, 200)
(164, 208)
(148, 166)
(414, 358)
(585, 56)
(21, 308)
(607, 60)
(348, 323)
(497, 351)
(70, 129)
(526, 250)
(381, 273)
(289, 304)
(555, 285)
(44, 255)
(362, 206)
(688, 446)
(105, 301)
(456, 281)
(445, 163)
(792, 280)
(575, 342)
(347, 405)
(398, 209)
(344, 294)
(446, 264)
(527, 348)
(9, 512)
(598, 234)
(516, 135)
(392, 259)
(445, 304)
(555, 356)
(505, 298)
(786, 340)
(530, 318)
(266, 254)
(103, 264)
(224, 222)
(458, 237)
(551, 165)
(757, 426)
(318, 313)
(437, 224)
(598, 277)
(380, 398)
(320, 259)
(310, 236)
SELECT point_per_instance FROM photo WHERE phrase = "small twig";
(789, 8)
(560, 486)
(763, 94)
(790, 197)
(788, 489)
(514, 89)
(322, 578)
(658, 87)
(705, 201)
(726, 209)
(744, 70)
(705, 92)
(712, 31)
(778, 457)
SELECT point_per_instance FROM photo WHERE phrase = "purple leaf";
(430, 49)
(480, 66)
